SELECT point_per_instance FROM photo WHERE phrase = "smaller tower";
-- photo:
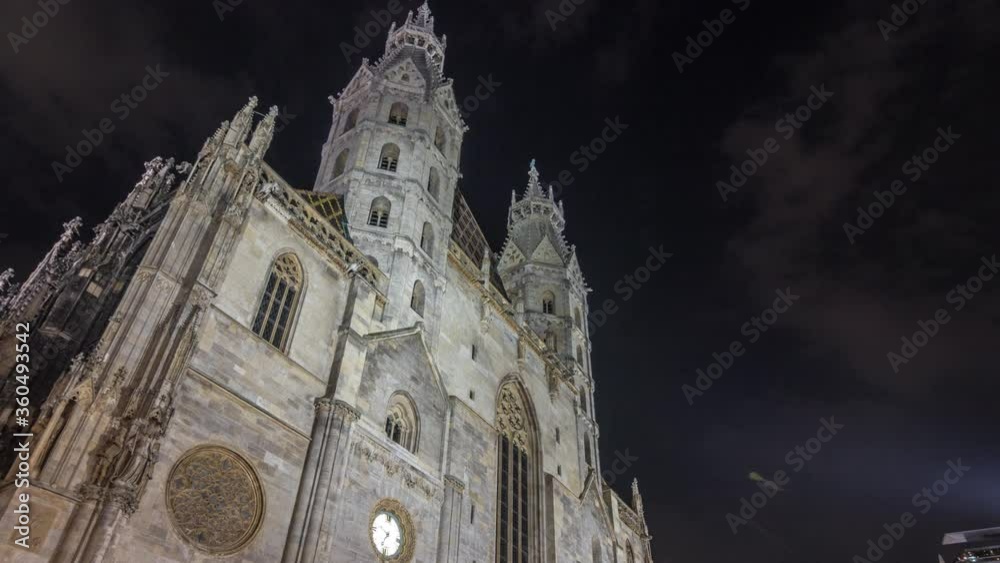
(542, 275)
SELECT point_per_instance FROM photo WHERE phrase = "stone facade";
(179, 433)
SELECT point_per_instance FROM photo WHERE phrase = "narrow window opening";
(379, 214)
(389, 158)
(398, 114)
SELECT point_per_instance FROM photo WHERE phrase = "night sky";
(655, 186)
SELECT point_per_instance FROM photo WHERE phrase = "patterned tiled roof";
(329, 206)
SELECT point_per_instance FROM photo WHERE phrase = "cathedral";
(235, 369)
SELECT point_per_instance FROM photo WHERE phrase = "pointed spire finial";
(534, 187)
(636, 498)
(264, 133)
(241, 123)
(424, 17)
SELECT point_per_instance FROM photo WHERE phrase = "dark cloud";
(890, 99)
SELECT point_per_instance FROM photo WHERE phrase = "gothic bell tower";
(393, 155)
(543, 278)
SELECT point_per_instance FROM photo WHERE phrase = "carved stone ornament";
(214, 499)
(394, 467)
(511, 416)
(630, 519)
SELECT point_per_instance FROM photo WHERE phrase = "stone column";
(331, 452)
(114, 505)
(307, 483)
(76, 531)
(451, 520)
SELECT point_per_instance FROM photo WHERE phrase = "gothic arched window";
(417, 299)
(579, 355)
(280, 300)
(427, 239)
(389, 158)
(401, 423)
(352, 120)
(576, 318)
(398, 113)
(341, 163)
(440, 139)
(548, 303)
(433, 181)
(517, 478)
(378, 216)
(629, 554)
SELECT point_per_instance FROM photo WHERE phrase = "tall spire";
(534, 188)
(264, 133)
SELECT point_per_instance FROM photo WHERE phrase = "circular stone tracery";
(214, 499)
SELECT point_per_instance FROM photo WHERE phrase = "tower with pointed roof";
(393, 154)
(542, 276)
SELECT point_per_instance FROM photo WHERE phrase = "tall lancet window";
(340, 164)
(427, 239)
(440, 139)
(549, 303)
(280, 300)
(517, 478)
(351, 121)
(433, 181)
(417, 298)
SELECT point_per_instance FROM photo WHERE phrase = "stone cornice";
(454, 483)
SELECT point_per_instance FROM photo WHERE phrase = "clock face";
(387, 534)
